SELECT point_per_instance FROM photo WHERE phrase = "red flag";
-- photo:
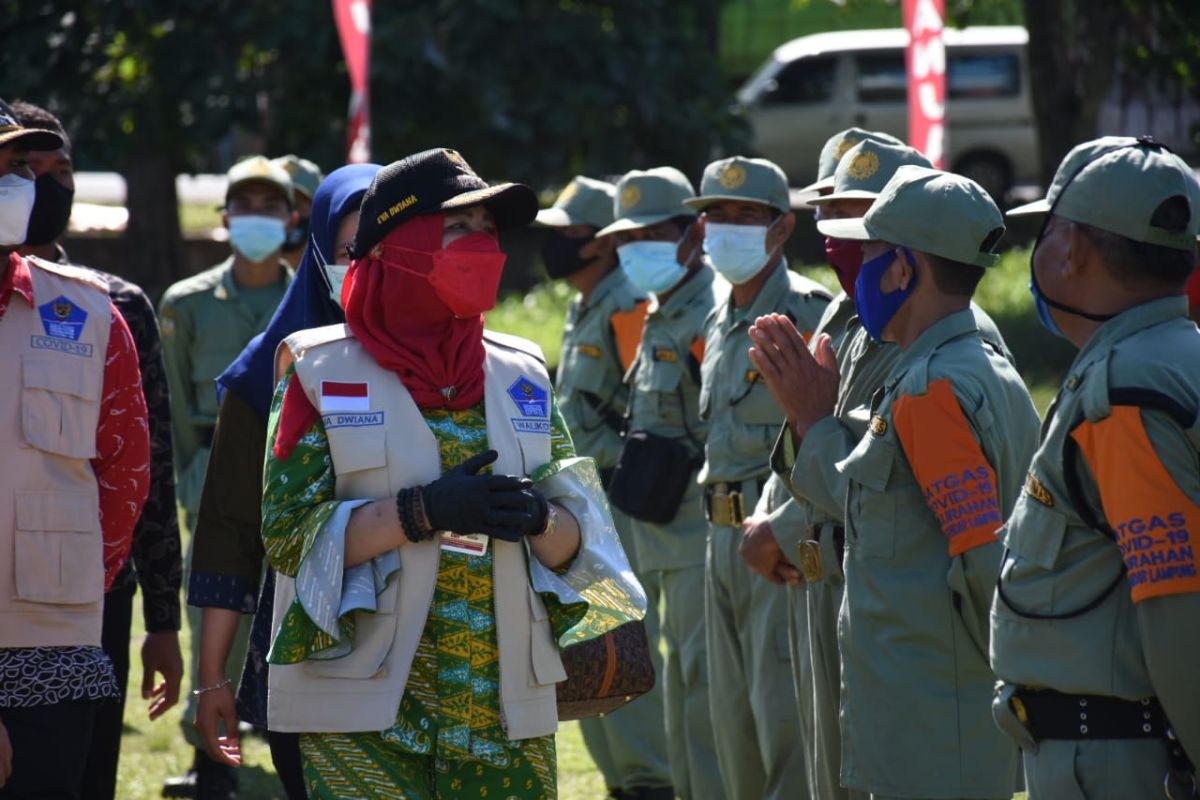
(354, 29)
(926, 60)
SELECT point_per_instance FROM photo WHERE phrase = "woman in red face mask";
(434, 533)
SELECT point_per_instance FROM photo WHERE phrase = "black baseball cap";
(431, 181)
(11, 130)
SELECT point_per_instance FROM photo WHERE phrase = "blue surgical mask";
(1043, 309)
(256, 237)
(876, 309)
(651, 266)
(336, 275)
(739, 252)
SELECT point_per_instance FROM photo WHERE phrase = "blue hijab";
(307, 303)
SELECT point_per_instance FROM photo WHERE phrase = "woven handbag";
(605, 673)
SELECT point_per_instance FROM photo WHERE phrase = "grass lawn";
(152, 751)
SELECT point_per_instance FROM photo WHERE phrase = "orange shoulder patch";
(1150, 514)
(958, 482)
(627, 328)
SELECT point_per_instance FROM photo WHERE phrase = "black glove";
(501, 506)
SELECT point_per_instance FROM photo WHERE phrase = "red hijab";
(406, 327)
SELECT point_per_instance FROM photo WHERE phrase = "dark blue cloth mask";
(876, 309)
(307, 303)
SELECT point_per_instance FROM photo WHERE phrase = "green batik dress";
(447, 741)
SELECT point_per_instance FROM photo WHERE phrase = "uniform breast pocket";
(657, 385)
(60, 406)
(587, 373)
(206, 366)
(1034, 537)
(757, 416)
(871, 500)
(58, 548)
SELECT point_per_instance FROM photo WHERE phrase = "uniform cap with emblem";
(746, 179)
(931, 211)
(837, 146)
(259, 169)
(866, 168)
(12, 131)
(1116, 183)
(431, 181)
(584, 201)
(306, 176)
(648, 197)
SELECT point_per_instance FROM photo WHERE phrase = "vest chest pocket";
(543, 651)
(359, 461)
(60, 405)
(871, 500)
(58, 548)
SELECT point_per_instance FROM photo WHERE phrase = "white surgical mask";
(651, 266)
(256, 237)
(739, 252)
(16, 204)
(336, 275)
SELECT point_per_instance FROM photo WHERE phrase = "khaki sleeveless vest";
(53, 356)
(381, 444)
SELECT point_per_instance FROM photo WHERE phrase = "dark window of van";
(805, 80)
(975, 77)
(882, 77)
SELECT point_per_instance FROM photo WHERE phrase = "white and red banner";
(926, 61)
(353, 19)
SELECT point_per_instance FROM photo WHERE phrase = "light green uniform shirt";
(917, 687)
(589, 387)
(206, 320)
(742, 416)
(665, 382)
(1056, 564)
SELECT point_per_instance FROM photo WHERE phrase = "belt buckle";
(810, 560)
(723, 504)
(737, 507)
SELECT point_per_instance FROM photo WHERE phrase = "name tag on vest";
(352, 420)
(471, 544)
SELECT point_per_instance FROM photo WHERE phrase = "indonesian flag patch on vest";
(344, 396)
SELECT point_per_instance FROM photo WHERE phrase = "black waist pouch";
(651, 477)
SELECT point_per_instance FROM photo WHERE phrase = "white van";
(815, 86)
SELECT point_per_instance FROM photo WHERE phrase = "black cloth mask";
(51, 211)
(297, 237)
(561, 253)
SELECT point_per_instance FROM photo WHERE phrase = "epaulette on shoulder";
(807, 287)
(516, 343)
(70, 272)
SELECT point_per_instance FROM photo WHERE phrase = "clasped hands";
(804, 383)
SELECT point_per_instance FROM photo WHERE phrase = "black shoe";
(643, 793)
(184, 786)
(215, 781)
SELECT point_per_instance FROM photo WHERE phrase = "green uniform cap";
(584, 201)
(645, 198)
(931, 211)
(866, 168)
(306, 176)
(1116, 183)
(744, 179)
(837, 146)
(257, 169)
